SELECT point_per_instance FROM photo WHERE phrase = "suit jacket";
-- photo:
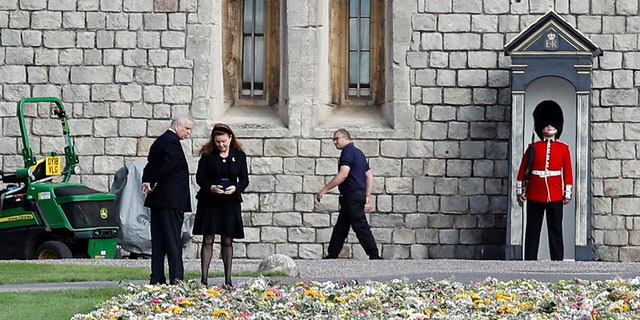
(210, 166)
(554, 156)
(167, 172)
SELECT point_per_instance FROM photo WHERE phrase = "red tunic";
(552, 174)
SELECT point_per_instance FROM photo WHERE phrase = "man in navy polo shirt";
(354, 181)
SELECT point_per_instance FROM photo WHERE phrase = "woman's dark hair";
(220, 129)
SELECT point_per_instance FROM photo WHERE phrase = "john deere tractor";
(43, 215)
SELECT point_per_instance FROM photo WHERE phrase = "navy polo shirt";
(357, 162)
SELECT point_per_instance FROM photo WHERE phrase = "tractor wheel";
(53, 250)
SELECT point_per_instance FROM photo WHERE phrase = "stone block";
(312, 184)
(287, 219)
(298, 165)
(138, 5)
(419, 251)
(479, 204)
(274, 202)
(121, 146)
(302, 235)
(404, 236)
(386, 220)
(424, 22)
(484, 24)
(384, 203)
(606, 253)
(393, 148)
(616, 237)
(398, 185)
(13, 74)
(287, 249)
(266, 165)
(383, 167)
(393, 252)
(149, 40)
(417, 60)
(442, 252)
(260, 250)
(273, 234)
(404, 203)
(261, 183)
(428, 203)
(107, 164)
(304, 202)
(316, 220)
(117, 21)
(310, 251)
(308, 148)
(412, 167)
(280, 147)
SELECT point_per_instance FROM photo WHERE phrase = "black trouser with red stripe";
(535, 214)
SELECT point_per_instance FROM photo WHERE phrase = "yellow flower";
(310, 293)
(175, 309)
(507, 309)
(187, 302)
(270, 293)
(353, 294)
(213, 292)
(221, 313)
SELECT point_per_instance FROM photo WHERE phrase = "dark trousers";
(352, 215)
(166, 239)
(535, 214)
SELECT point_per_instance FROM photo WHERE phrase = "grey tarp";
(135, 234)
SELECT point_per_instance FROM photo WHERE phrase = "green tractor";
(42, 214)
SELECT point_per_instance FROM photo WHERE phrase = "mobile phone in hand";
(224, 182)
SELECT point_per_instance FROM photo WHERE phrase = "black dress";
(221, 214)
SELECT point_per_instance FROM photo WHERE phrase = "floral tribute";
(261, 298)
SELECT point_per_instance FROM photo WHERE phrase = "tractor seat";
(39, 170)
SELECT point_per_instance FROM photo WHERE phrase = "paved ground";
(385, 270)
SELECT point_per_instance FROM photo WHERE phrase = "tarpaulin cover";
(135, 233)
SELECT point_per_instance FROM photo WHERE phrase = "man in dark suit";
(165, 182)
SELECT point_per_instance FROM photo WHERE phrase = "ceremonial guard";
(545, 181)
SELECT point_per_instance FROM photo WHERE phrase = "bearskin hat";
(546, 113)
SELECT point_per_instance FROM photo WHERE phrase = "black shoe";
(329, 257)
(376, 257)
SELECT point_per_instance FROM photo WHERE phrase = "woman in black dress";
(222, 176)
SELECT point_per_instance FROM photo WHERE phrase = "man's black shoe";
(329, 257)
(376, 257)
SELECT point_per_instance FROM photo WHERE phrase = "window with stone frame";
(251, 52)
(357, 52)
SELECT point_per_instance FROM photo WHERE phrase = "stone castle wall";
(439, 146)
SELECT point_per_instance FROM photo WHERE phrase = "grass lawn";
(25, 272)
(65, 303)
(53, 304)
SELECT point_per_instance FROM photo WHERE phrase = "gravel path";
(385, 270)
